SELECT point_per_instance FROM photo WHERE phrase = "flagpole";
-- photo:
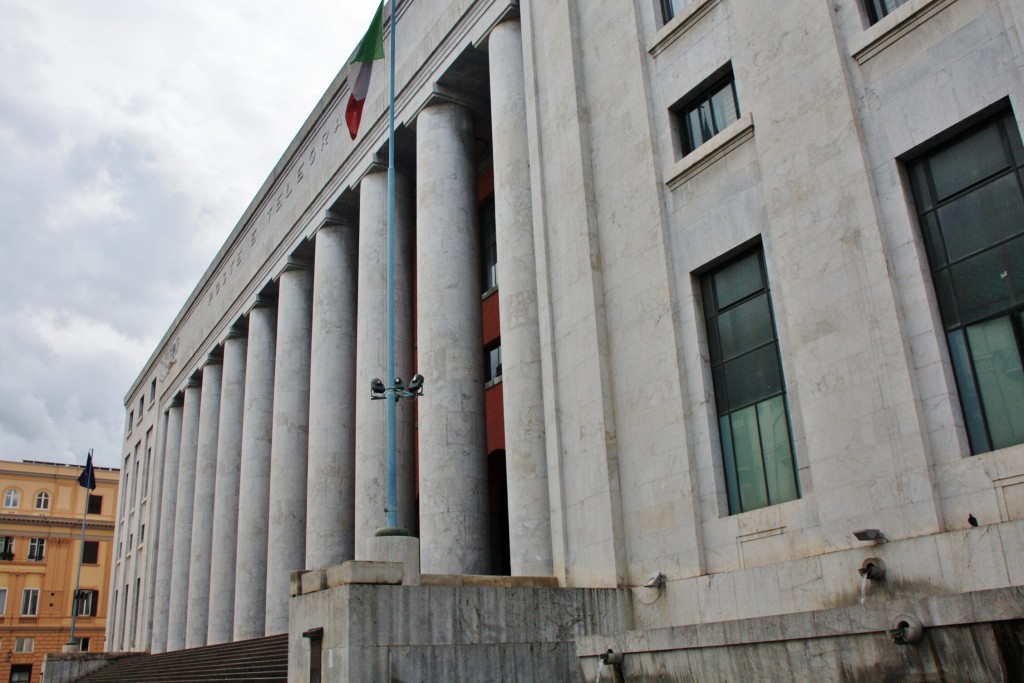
(392, 503)
(81, 552)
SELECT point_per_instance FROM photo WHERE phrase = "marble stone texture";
(177, 607)
(168, 506)
(225, 503)
(196, 622)
(286, 529)
(330, 484)
(453, 475)
(371, 359)
(254, 475)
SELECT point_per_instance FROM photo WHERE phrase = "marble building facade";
(739, 319)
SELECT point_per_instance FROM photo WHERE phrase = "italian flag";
(370, 49)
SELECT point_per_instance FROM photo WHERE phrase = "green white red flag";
(370, 49)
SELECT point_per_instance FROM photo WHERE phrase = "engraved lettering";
(299, 174)
(323, 140)
(312, 156)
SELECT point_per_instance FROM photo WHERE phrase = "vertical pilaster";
(181, 560)
(286, 550)
(254, 476)
(453, 468)
(525, 453)
(330, 484)
(165, 539)
(225, 504)
(371, 358)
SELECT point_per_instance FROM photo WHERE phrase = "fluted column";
(165, 540)
(371, 358)
(525, 452)
(286, 537)
(453, 467)
(181, 560)
(330, 487)
(254, 476)
(225, 504)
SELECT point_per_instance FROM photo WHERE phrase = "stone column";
(225, 504)
(330, 487)
(165, 539)
(453, 467)
(525, 452)
(182, 554)
(371, 359)
(286, 537)
(254, 476)
(202, 506)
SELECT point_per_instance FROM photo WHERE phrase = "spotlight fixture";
(379, 391)
(873, 535)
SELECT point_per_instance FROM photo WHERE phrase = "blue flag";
(87, 479)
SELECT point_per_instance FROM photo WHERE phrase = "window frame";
(12, 498)
(719, 364)
(704, 95)
(37, 549)
(90, 598)
(3, 600)
(489, 281)
(95, 545)
(6, 547)
(93, 498)
(492, 373)
(43, 497)
(24, 644)
(956, 320)
(877, 10)
(668, 10)
(30, 599)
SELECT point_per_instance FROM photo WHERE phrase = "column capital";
(215, 357)
(238, 330)
(336, 222)
(445, 94)
(177, 401)
(295, 262)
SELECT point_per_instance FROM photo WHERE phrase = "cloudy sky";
(133, 134)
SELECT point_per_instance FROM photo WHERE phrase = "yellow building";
(41, 509)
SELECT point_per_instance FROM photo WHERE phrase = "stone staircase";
(259, 659)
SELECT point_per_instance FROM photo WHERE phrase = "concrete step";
(259, 659)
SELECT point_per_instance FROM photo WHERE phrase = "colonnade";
(275, 457)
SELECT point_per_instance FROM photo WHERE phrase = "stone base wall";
(70, 666)
(448, 632)
(968, 637)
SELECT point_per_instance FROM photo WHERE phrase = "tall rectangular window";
(86, 602)
(969, 194)
(488, 247)
(29, 602)
(3, 601)
(753, 416)
(880, 8)
(95, 504)
(91, 552)
(6, 547)
(36, 549)
(708, 111)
